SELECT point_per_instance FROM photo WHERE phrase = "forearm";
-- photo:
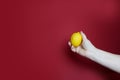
(109, 60)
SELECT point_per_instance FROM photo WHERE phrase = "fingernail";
(69, 43)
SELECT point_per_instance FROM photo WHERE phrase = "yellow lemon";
(76, 39)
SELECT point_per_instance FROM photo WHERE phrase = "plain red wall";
(34, 36)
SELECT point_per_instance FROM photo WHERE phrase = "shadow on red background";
(34, 36)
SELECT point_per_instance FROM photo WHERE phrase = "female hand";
(85, 47)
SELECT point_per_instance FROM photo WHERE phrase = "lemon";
(76, 39)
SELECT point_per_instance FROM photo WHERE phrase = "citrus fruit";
(76, 39)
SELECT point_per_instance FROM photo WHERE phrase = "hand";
(85, 47)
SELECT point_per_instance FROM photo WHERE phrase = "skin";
(88, 50)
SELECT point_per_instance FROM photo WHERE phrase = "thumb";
(86, 43)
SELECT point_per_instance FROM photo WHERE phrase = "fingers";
(79, 50)
(86, 43)
(83, 35)
(69, 43)
(73, 49)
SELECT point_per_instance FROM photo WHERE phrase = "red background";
(34, 36)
